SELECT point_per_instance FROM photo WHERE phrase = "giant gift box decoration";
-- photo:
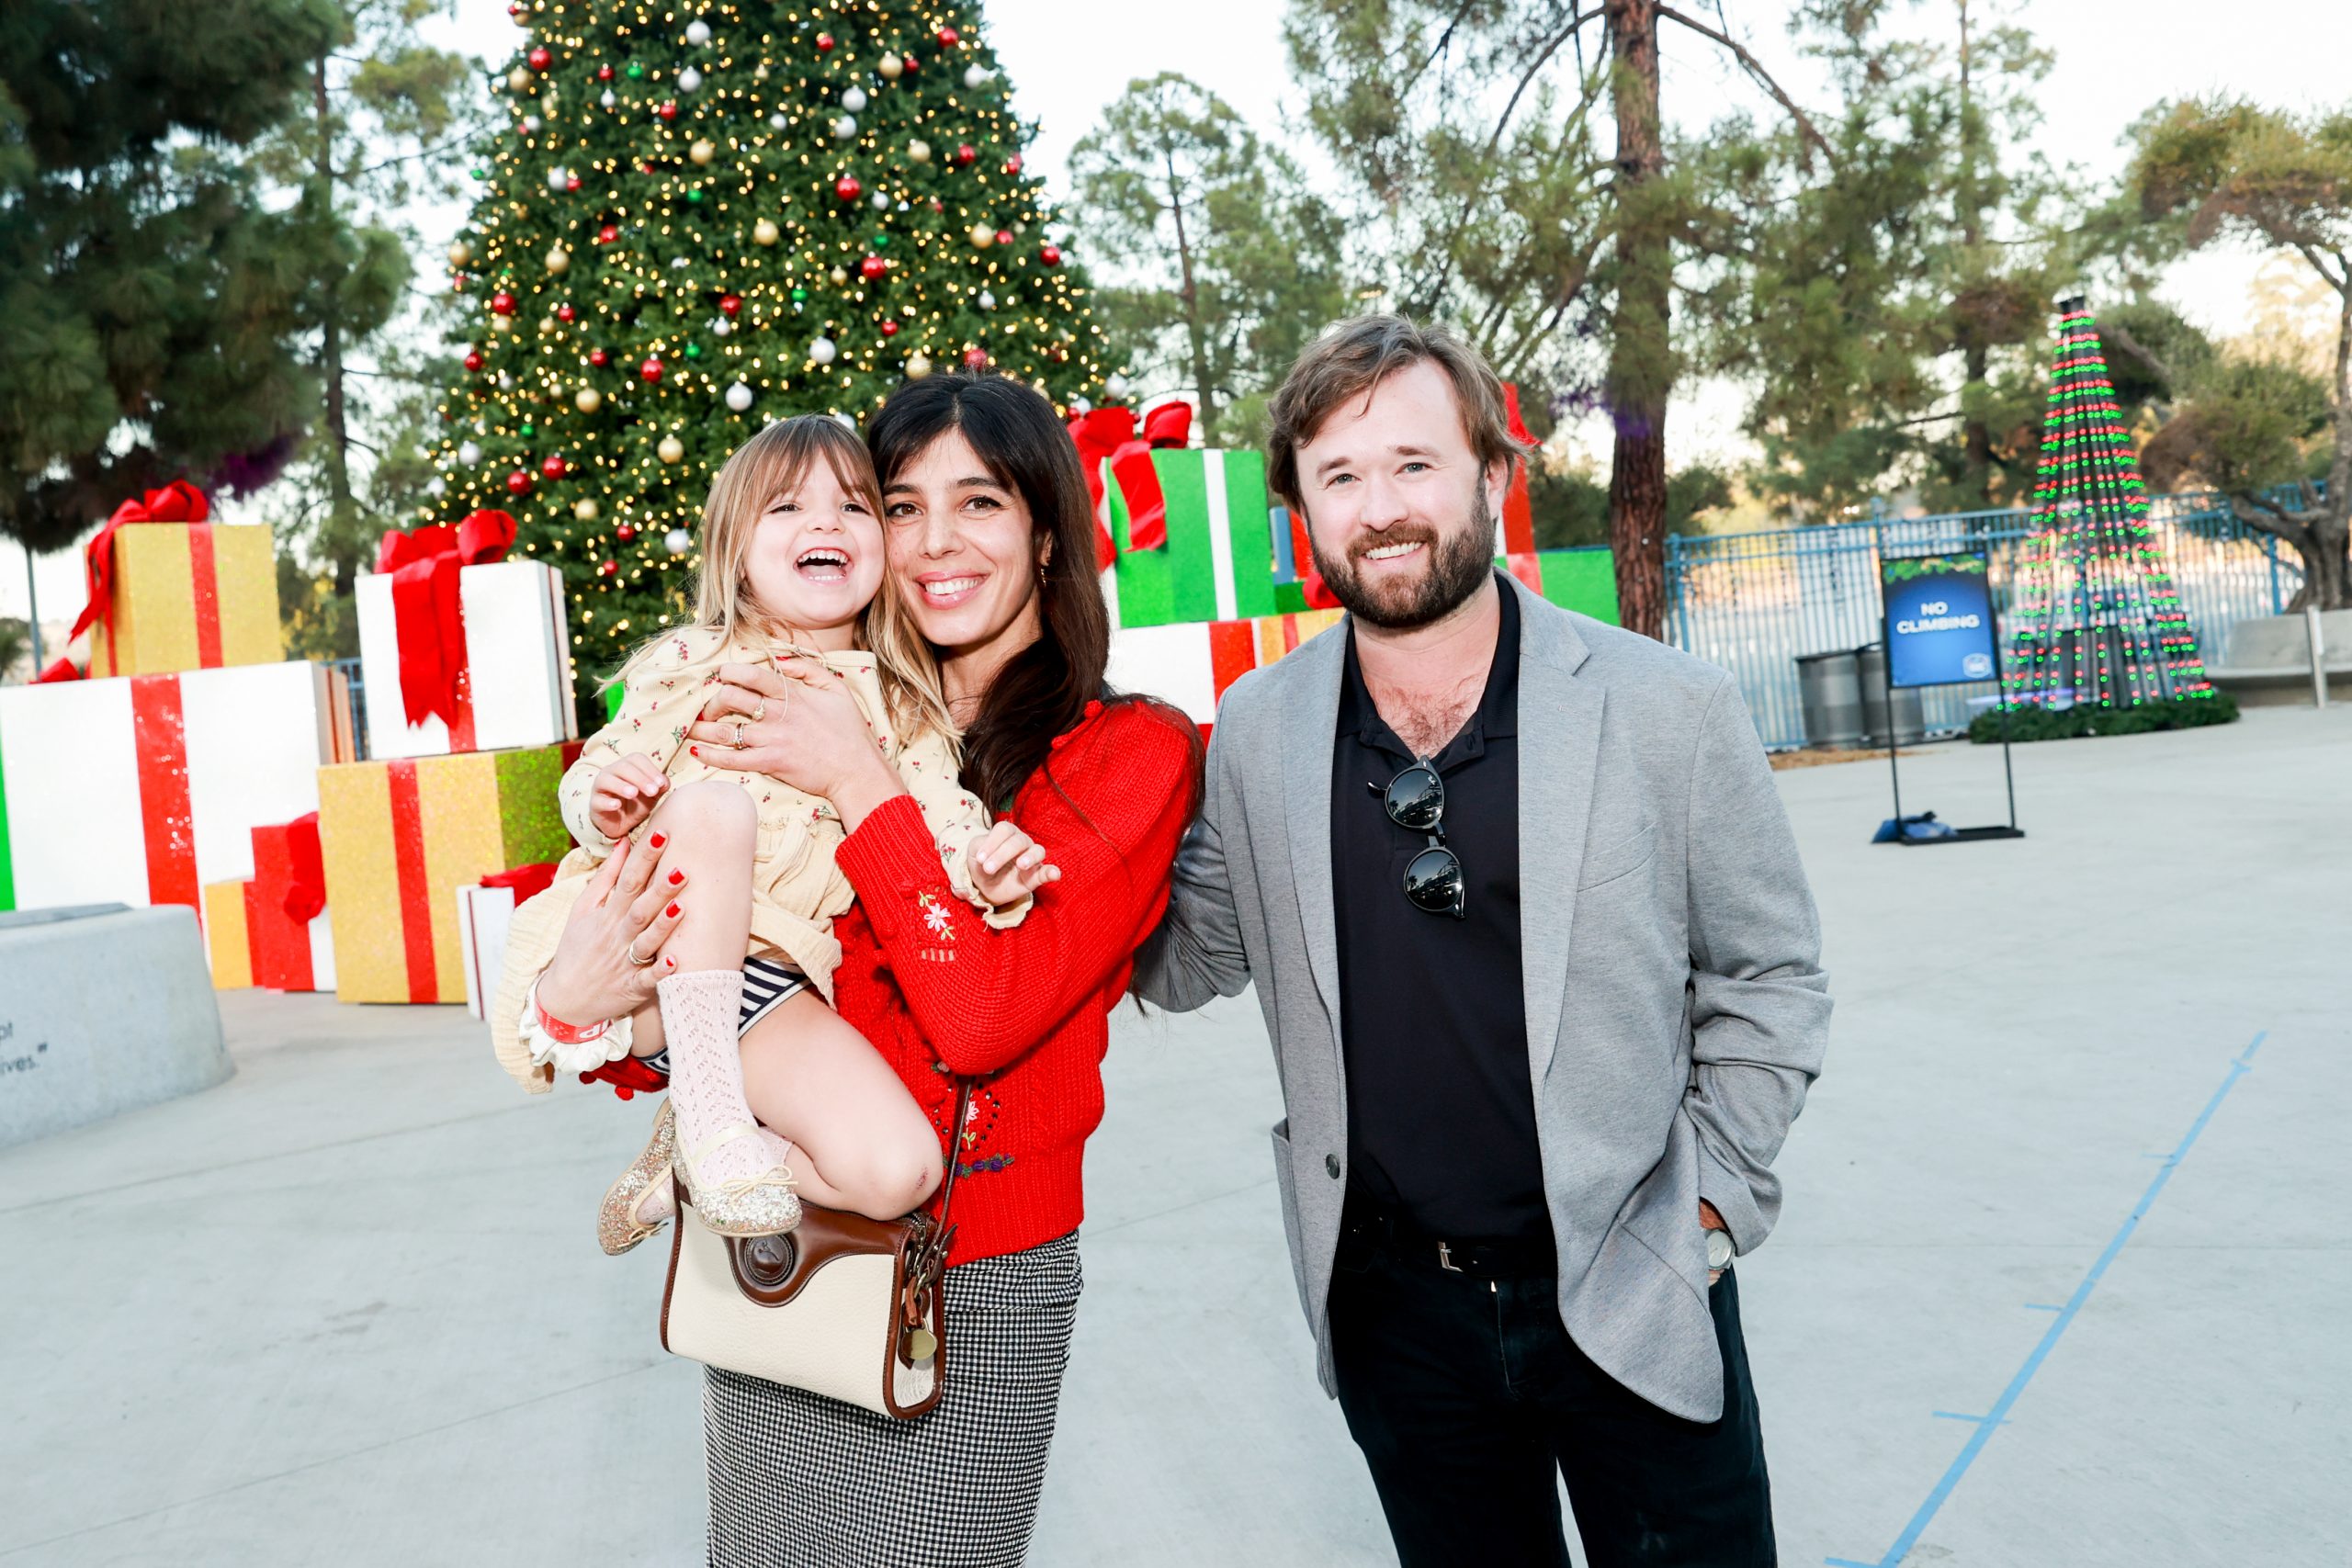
(292, 938)
(228, 933)
(1185, 533)
(144, 789)
(461, 648)
(485, 910)
(169, 590)
(401, 836)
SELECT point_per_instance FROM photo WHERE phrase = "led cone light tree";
(701, 219)
(2094, 612)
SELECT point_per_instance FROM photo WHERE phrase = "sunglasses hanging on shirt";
(1415, 800)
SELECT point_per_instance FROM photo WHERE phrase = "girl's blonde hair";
(773, 463)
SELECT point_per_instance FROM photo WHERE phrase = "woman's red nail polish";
(673, 911)
(676, 877)
(656, 841)
(693, 751)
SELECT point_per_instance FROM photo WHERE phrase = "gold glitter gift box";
(399, 836)
(189, 596)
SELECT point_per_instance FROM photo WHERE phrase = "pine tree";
(697, 223)
(2096, 612)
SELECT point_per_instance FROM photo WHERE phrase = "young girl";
(792, 559)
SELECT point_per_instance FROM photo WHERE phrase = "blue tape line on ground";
(2239, 1068)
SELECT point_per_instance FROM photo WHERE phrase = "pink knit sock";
(698, 1018)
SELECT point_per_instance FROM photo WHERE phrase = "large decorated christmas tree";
(2096, 614)
(700, 219)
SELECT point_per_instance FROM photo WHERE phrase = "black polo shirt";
(1441, 1114)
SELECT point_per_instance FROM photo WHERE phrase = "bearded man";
(1542, 972)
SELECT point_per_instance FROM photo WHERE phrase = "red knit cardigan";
(1027, 1010)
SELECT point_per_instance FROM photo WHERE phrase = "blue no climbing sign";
(1940, 629)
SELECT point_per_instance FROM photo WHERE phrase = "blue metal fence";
(1753, 602)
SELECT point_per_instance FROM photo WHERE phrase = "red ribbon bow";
(1109, 434)
(529, 881)
(426, 615)
(306, 887)
(178, 501)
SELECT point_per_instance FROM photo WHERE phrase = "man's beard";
(1459, 562)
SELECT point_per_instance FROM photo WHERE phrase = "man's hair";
(1352, 359)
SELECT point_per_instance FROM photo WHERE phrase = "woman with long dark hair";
(990, 535)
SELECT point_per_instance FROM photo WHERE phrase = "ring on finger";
(760, 710)
(739, 741)
(633, 958)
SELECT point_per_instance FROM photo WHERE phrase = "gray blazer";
(1675, 1004)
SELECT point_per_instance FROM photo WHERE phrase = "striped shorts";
(767, 986)
(799, 1481)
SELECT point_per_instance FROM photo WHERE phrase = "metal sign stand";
(1894, 770)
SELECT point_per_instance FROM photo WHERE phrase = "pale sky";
(1065, 63)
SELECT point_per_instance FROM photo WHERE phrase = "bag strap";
(955, 1137)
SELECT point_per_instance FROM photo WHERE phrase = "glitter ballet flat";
(622, 1218)
(744, 1206)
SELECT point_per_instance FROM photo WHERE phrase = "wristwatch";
(1719, 1249)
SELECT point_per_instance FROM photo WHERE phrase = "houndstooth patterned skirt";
(799, 1481)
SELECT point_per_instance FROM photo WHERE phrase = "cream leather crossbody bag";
(842, 1306)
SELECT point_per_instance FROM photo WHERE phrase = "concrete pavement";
(347, 1308)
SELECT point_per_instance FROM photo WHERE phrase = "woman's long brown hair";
(1042, 690)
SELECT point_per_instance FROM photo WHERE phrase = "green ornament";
(636, 71)
(529, 430)
(881, 241)
(798, 294)
(479, 173)
(694, 351)
(694, 195)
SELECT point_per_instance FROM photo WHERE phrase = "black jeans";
(1464, 1393)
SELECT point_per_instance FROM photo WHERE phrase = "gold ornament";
(890, 67)
(919, 151)
(460, 253)
(702, 152)
(838, 276)
(760, 72)
(764, 232)
(588, 400)
(982, 236)
(546, 325)
(518, 80)
(670, 450)
(584, 509)
(559, 261)
(917, 366)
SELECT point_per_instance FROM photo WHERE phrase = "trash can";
(1831, 693)
(1910, 712)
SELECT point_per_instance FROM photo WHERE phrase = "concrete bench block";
(100, 1013)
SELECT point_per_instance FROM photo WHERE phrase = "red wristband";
(565, 1034)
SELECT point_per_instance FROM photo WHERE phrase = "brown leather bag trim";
(890, 1357)
(677, 1244)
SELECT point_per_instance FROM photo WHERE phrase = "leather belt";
(1483, 1260)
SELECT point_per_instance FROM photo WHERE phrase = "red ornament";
(647, 165)
(598, 357)
(1051, 255)
(604, 73)
(553, 466)
(976, 359)
(872, 267)
(1013, 164)
(624, 532)
(669, 110)
(847, 187)
(503, 303)
(948, 37)
(825, 43)
(889, 329)
(937, 205)
(564, 311)
(909, 61)
(608, 569)
(607, 234)
(1004, 236)
(730, 304)
(572, 182)
(541, 58)
(519, 481)
(474, 360)
(651, 370)
(966, 153)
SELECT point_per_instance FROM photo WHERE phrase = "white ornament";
(845, 127)
(558, 177)
(689, 80)
(777, 121)
(721, 327)
(677, 541)
(698, 33)
(739, 396)
(822, 351)
(1116, 386)
(436, 487)
(987, 300)
(608, 100)
(506, 382)
(845, 422)
(978, 76)
(469, 453)
(530, 125)
(854, 100)
(882, 202)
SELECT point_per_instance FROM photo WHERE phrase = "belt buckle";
(1445, 1258)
